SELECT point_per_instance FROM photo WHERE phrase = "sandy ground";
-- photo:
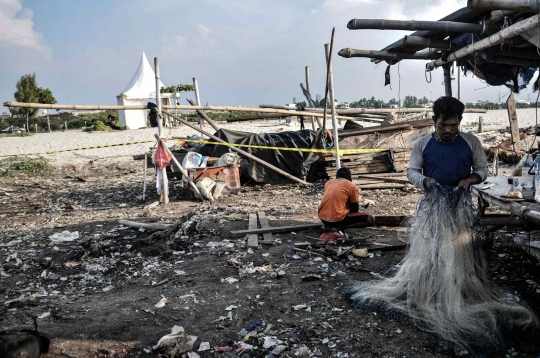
(50, 142)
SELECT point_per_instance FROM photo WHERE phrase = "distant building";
(342, 105)
(81, 113)
(523, 101)
(393, 106)
(294, 100)
(318, 97)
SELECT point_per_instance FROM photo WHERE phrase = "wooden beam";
(255, 117)
(263, 220)
(383, 178)
(513, 5)
(240, 233)
(253, 239)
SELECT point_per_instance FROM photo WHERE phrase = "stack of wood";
(392, 161)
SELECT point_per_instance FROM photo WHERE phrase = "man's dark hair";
(448, 107)
(344, 173)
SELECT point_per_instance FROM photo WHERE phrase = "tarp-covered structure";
(140, 90)
(294, 162)
(511, 62)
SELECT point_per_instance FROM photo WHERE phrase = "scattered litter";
(204, 347)
(398, 331)
(231, 280)
(161, 303)
(64, 236)
(44, 315)
(108, 288)
(177, 335)
(230, 308)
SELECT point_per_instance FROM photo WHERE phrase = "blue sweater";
(447, 163)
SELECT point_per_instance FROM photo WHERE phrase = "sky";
(242, 52)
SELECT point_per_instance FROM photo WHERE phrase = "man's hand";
(465, 183)
(430, 182)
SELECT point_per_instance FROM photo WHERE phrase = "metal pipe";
(412, 25)
(513, 5)
(495, 39)
(385, 55)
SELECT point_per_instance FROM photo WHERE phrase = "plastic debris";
(204, 346)
(64, 236)
(161, 303)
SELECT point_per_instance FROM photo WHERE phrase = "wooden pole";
(328, 50)
(310, 103)
(244, 153)
(447, 80)
(512, 116)
(308, 89)
(164, 195)
(480, 124)
(198, 101)
(27, 123)
(327, 83)
(507, 33)
(204, 116)
(48, 122)
(459, 83)
(36, 127)
(254, 117)
(65, 125)
(144, 175)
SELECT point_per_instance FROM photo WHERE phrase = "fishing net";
(441, 283)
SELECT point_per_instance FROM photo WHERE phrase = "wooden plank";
(512, 116)
(237, 233)
(385, 179)
(253, 239)
(267, 236)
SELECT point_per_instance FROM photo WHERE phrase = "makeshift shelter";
(140, 90)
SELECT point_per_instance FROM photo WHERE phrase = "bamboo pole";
(264, 108)
(328, 51)
(442, 26)
(198, 101)
(507, 33)
(203, 115)
(254, 117)
(27, 123)
(281, 109)
(310, 102)
(164, 195)
(244, 153)
(385, 55)
(447, 80)
(49, 122)
(513, 5)
(182, 169)
(308, 90)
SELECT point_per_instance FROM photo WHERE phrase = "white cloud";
(16, 27)
(174, 45)
(203, 34)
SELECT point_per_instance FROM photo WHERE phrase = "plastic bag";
(194, 160)
(227, 159)
(162, 158)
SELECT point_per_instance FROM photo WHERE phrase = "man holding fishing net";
(447, 156)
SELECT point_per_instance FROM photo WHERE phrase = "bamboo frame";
(385, 55)
(507, 33)
(512, 5)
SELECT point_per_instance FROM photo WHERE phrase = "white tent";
(140, 90)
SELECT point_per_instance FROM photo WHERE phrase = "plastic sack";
(162, 158)
(227, 159)
(205, 187)
(194, 160)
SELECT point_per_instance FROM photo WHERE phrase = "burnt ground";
(96, 296)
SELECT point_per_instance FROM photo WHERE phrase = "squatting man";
(446, 157)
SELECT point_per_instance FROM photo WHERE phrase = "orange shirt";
(338, 193)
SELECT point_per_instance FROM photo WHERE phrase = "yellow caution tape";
(82, 148)
(306, 150)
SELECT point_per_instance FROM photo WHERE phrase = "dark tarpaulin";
(293, 162)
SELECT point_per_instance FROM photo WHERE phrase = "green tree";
(27, 90)
(410, 101)
(392, 101)
(44, 95)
